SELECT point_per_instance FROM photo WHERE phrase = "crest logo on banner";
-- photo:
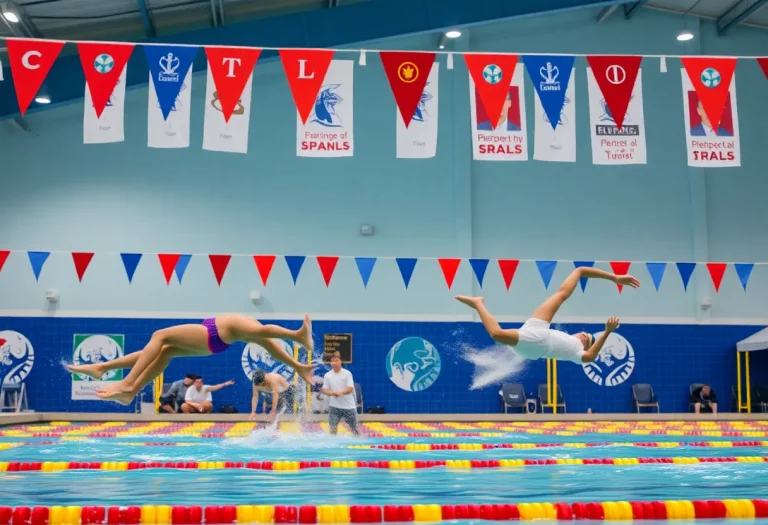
(614, 363)
(711, 77)
(168, 67)
(231, 69)
(419, 141)
(413, 364)
(17, 357)
(492, 75)
(305, 70)
(407, 73)
(103, 66)
(31, 60)
(616, 75)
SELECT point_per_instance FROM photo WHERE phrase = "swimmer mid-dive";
(535, 340)
(212, 336)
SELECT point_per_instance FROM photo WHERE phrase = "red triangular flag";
(616, 77)
(82, 260)
(31, 60)
(508, 268)
(103, 64)
(711, 77)
(3, 257)
(168, 262)
(492, 75)
(264, 264)
(716, 272)
(763, 65)
(620, 268)
(219, 264)
(231, 67)
(407, 72)
(305, 70)
(327, 267)
(449, 268)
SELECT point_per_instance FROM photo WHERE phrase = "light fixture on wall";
(11, 17)
(441, 41)
(453, 33)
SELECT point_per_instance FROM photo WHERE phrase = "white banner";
(611, 145)
(219, 135)
(559, 144)
(329, 130)
(110, 127)
(509, 141)
(709, 148)
(419, 139)
(174, 132)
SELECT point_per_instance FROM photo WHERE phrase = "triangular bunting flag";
(219, 264)
(294, 262)
(168, 264)
(546, 270)
(3, 257)
(365, 267)
(616, 76)
(406, 267)
(327, 267)
(763, 65)
(656, 271)
(479, 266)
(508, 268)
(168, 67)
(492, 75)
(37, 260)
(305, 70)
(231, 67)
(407, 72)
(264, 264)
(620, 268)
(743, 270)
(130, 262)
(31, 60)
(685, 269)
(449, 268)
(550, 76)
(181, 265)
(81, 260)
(716, 272)
(711, 77)
(103, 64)
(583, 280)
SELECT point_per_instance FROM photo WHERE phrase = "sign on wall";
(17, 357)
(89, 349)
(614, 363)
(413, 364)
(257, 357)
(341, 343)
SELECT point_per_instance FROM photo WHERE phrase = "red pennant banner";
(327, 267)
(264, 264)
(231, 67)
(407, 72)
(620, 268)
(103, 64)
(616, 76)
(31, 60)
(219, 264)
(716, 272)
(81, 260)
(492, 75)
(508, 268)
(168, 262)
(449, 268)
(711, 77)
(3, 257)
(763, 65)
(305, 70)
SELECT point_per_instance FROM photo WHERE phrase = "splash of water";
(494, 364)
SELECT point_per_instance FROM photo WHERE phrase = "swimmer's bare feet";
(92, 371)
(305, 372)
(472, 302)
(304, 335)
(124, 398)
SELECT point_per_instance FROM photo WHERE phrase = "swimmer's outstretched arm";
(610, 326)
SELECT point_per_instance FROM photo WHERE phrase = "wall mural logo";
(16, 357)
(413, 364)
(91, 349)
(614, 363)
(256, 357)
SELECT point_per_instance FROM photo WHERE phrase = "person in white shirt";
(340, 387)
(198, 398)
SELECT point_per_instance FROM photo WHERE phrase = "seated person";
(198, 398)
(282, 393)
(173, 399)
(704, 398)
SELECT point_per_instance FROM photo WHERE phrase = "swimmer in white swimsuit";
(535, 340)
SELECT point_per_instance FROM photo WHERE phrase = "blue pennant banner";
(550, 76)
(365, 267)
(656, 270)
(546, 270)
(294, 262)
(181, 266)
(685, 269)
(479, 266)
(37, 260)
(130, 262)
(744, 271)
(406, 267)
(583, 280)
(168, 67)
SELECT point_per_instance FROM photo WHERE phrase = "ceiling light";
(11, 17)
(43, 99)
(685, 35)
(453, 33)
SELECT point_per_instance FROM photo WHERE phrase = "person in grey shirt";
(171, 402)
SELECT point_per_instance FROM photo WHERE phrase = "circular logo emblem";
(614, 363)
(710, 77)
(408, 72)
(492, 74)
(98, 349)
(104, 63)
(256, 356)
(413, 364)
(16, 357)
(615, 74)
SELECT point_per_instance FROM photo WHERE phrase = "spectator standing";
(340, 386)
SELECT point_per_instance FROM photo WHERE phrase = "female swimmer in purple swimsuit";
(213, 336)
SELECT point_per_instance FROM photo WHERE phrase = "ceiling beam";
(605, 13)
(631, 9)
(146, 19)
(738, 13)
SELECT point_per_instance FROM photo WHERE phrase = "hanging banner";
(709, 147)
(329, 128)
(31, 60)
(555, 142)
(509, 139)
(103, 66)
(171, 132)
(407, 72)
(611, 144)
(109, 127)
(305, 70)
(419, 139)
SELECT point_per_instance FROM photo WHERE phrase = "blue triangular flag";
(743, 270)
(406, 269)
(295, 262)
(583, 280)
(365, 267)
(550, 76)
(168, 67)
(685, 269)
(479, 266)
(546, 270)
(181, 266)
(130, 261)
(656, 270)
(37, 260)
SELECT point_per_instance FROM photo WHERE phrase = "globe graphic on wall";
(413, 364)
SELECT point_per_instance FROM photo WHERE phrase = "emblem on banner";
(168, 65)
(492, 74)
(421, 115)
(104, 64)
(408, 72)
(216, 103)
(615, 74)
(710, 77)
(324, 111)
(549, 73)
